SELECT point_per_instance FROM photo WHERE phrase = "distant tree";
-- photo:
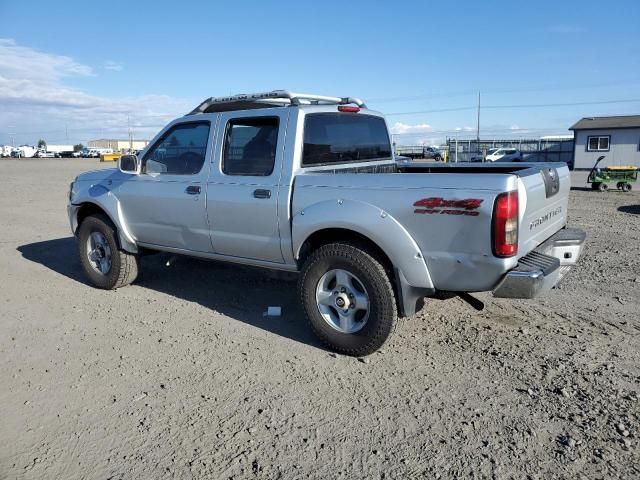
(78, 147)
(42, 144)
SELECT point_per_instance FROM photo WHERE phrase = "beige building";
(118, 145)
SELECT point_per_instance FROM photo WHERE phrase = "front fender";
(372, 222)
(103, 198)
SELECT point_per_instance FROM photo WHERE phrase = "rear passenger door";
(243, 187)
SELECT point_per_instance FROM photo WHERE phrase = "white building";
(118, 145)
(617, 138)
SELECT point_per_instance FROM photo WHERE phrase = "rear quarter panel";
(455, 240)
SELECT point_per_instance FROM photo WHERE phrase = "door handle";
(260, 193)
(193, 189)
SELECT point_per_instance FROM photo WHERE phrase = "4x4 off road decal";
(438, 205)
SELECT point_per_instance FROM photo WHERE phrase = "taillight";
(348, 108)
(505, 225)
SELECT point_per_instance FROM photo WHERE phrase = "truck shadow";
(633, 209)
(240, 293)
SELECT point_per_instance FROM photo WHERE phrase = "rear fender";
(373, 223)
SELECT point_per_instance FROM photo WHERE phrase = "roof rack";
(245, 101)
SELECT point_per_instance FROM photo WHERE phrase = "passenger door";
(243, 187)
(165, 204)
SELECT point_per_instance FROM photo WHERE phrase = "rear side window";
(181, 151)
(344, 137)
(250, 146)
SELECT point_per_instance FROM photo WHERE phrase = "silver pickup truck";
(308, 184)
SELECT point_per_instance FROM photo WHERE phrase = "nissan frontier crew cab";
(308, 184)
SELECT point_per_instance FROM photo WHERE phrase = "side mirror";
(129, 164)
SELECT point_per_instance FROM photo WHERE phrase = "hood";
(97, 175)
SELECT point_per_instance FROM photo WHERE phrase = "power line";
(469, 93)
(538, 105)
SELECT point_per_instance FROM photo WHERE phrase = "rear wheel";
(603, 187)
(626, 187)
(103, 262)
(348, 298)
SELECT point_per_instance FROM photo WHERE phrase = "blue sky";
(82, 70)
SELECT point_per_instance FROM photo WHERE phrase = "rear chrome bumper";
(541, 269)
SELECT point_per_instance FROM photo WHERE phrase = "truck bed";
(456, 242)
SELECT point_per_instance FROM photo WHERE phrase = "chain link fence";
(533, 150)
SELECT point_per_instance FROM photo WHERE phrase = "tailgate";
(543, 198)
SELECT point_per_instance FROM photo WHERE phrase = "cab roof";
(274, 98)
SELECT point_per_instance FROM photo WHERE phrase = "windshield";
(344, 137)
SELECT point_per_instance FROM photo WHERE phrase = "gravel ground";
(181, 376)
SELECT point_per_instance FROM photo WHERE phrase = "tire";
(626, 187)
(603, 187)
(98, 232)
(368, 277)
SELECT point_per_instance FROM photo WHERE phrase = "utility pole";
(12, 136)
(130, 138)
(478, 128)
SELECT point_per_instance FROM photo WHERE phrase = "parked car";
(96, 152)
(308, 184)
(46, 154)
(77, 154)
(480, 157)
(505, 155)
(66, 153)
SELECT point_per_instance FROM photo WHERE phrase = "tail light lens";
(505, 225)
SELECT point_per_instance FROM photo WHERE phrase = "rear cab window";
(331, 138)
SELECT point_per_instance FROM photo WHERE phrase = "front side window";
(344, 137)
(250, 146)
(180, 151)
(598, 143)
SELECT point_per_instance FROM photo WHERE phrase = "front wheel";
(603, 187)
(103, 262)
(348, 298)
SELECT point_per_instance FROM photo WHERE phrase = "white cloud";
(36, 102)
(114, 66)
(403, 128)
(24, 62)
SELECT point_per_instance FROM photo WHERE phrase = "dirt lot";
(181, 376)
